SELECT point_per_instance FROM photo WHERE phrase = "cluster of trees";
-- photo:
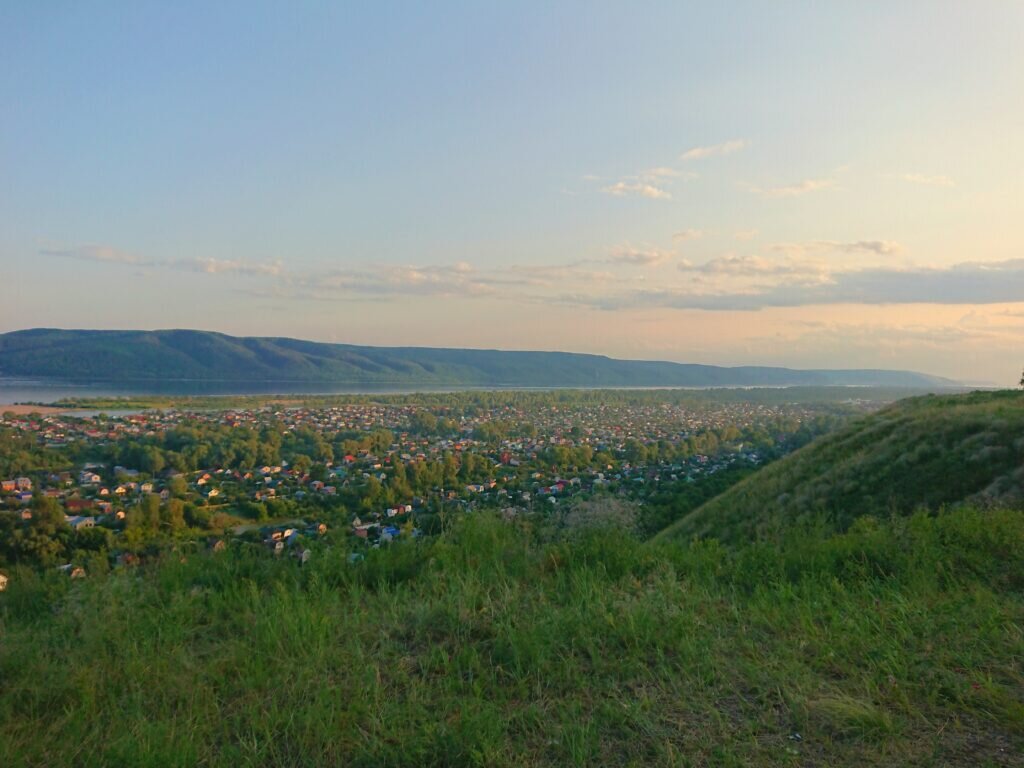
(22, 454)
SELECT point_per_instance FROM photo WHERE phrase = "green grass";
(897, 643)
(921, 452)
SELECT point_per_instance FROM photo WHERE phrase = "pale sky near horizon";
(805, 184)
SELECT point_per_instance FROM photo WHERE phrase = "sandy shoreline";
(42, 410)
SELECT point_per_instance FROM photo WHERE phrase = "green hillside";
(922, 452)
(160, 356)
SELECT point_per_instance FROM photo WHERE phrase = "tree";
(172, 516)
(302, 463)
(178, 486)
(150, 508)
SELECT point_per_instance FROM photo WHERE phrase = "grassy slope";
(205, 356)
(895, 644)
(926, 451)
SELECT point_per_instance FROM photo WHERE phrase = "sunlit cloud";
(755, 266)
(687, 234)
(96, 253)
(225, 266)
(714, 150)
(650, 257)
(638, 188)
(105, 254)
(877, 247)
(792, 190)
(966, 283)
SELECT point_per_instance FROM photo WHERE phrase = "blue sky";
(827, 185)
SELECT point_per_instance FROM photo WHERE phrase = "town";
(92, 491)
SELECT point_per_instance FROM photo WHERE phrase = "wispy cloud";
(714, 150)
(105, 254)
(877, 247)
(752, 266)
(966, 283)
(687, 234)
(661, 172)
(96, 253)
(650, 257)
(792, 190)
(638, 188)
(227, 266)
(788, 275)
(927, 180)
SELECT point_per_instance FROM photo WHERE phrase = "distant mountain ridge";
(207, 356)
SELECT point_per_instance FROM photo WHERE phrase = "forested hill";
(923, 452)
(207, 356)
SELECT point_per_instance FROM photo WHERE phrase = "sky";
(816, 185)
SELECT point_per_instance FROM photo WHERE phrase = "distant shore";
(24, 410)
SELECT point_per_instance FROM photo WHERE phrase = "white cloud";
(792, 190)
(660, 172)
(106, 254)
(687, 234)
(651, 257)
(226, 266)
(96, 253)
(877, 247)
(749, 266)
(642, 189)
(714, 150)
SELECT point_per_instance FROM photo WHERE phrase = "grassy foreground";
(897, 643)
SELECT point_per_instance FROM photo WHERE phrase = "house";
(3, 582)
(88, 478)
(23, 484)
(78, 522)
(7, 486)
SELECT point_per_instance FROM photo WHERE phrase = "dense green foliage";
(160, 356)
(897, 643)
(921, 452)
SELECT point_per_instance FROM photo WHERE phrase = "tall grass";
(897, 643)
